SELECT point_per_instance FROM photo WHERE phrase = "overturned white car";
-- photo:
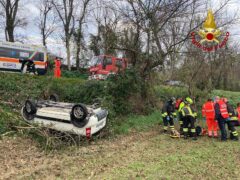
(66, 117)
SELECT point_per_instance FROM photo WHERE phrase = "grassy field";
(139, 151)
(148, 155)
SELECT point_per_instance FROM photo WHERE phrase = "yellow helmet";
(189, 100)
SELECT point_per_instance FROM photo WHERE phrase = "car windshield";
(95, 60)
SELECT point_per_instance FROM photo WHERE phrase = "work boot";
(235, 138)
(181, 131)
(194, 138)
(185, 135)
(165, 131)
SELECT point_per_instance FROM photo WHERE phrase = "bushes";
(233, 97)
(124, 92)
(8, 119)
(166, 92)
(75, 74)
(75, 91)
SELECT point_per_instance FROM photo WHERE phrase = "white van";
(13, 56)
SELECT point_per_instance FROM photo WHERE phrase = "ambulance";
(14, 57)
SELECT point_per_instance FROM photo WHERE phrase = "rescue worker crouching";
(168, 114)
(189, 117)
(222, 116)
(180, 107)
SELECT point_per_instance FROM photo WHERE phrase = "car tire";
(54, 97)
(26, 115)
(30, 107)
(78, 115)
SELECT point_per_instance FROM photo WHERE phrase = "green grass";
(165, 92)
(149, 155)
(137, 123)
(233, 97)
(165, 158)
(9, 118)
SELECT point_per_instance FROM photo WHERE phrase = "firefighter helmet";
(189, 100)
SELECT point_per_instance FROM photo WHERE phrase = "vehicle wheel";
(78, 115)
(26, 115)
(30, 107)
(54, 97)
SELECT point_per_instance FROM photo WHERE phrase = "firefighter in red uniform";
(223, 118)
(209, 113)
(57, 70)
(238, 112)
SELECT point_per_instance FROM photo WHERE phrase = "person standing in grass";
(222, 116)
(168, 114)
(189, 118)
(208, 112)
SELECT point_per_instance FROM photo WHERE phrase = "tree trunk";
(6, 34)
(68, 55)
(10, 34)
(43, 37)
(77, 57)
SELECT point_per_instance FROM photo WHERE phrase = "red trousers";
(57, 72)
(212, 126)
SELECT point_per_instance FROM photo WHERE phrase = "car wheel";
(30, 107)
(26, 115)
(54, 97)
(78, 115)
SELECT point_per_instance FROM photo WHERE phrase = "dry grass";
(137, 156)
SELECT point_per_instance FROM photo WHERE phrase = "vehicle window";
(15, 53)
(108, 61)
(39, 57)
(95, 60)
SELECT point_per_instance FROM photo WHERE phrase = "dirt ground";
(148, 155)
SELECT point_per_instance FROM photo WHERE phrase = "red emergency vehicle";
(104, 65)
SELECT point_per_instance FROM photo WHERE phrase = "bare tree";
(47, 20)
(107, 18)
(65, 11)
(78, 33)
(12, 19)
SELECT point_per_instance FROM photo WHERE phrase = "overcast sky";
(56, 46)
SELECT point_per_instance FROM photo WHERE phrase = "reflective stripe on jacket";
(188, 111)
(223, 109)
(168, 109)
(182, 104)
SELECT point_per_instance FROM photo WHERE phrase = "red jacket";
(57, 63)
(208, 110)
(223, 109)
(238, 113)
